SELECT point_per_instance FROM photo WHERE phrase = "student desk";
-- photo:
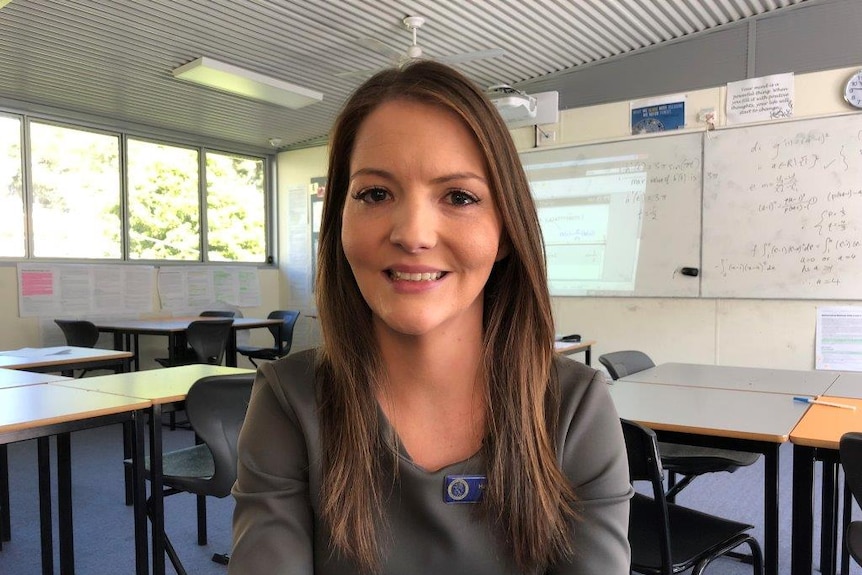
(754, 421)
(568, 348)
(39, 411)
(786, 381)
(127, 332)
(64, 358)
(14, 378)
(816, 437)
(160, 387)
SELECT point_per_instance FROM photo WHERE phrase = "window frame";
(167, 139)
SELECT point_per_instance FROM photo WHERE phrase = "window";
(88, 193)
(164, 202)
(75, 178)
(11, 189)
(236, 208)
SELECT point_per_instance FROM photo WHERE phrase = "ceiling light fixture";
(242, 82)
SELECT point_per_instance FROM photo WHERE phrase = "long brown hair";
(527, 494)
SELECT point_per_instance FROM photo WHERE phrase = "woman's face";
(420, 227)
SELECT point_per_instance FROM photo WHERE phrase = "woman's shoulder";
(292, 379)
(584, 395)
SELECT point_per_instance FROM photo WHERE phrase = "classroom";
(812, 44)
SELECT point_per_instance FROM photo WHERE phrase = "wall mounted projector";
(514, 105)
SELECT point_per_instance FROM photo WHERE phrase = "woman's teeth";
(419, 277)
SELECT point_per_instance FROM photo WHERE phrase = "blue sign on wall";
(658, 118)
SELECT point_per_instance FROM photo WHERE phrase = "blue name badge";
(463, 488)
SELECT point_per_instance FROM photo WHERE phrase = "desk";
(165, 386)
(41, 410)
(63, 358)
(17, 378)
(568, 348)
(127, 332)
(817, 437)
(14, 378)
(753, 421)
(786, 381)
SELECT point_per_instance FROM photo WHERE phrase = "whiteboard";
(620, 218)
(782, 210)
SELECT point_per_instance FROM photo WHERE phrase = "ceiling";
(112, 59)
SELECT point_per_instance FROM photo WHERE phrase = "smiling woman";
(435, 430)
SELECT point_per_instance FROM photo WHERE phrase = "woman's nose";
(414, 225)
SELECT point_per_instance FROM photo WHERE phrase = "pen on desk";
(820, 402)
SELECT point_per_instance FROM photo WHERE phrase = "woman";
(434, 431)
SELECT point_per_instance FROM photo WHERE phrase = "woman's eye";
(372, 195)
(462, 198)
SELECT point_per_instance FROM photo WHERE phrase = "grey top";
(277, 527)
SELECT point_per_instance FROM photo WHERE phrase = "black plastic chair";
(207, 341)
(689, 461)
(79, 333)
(850, 450)
(667, 538)
(218, 313)
(216, 407)
(280, 347)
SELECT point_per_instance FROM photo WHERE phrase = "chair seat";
(695, 460)
(701, 533)
(854, 541)
(259, 352)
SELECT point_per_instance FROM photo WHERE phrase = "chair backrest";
(216, 407)
(208, 338)
(645, 465)
(850, 450)
(288, 319)
(79, 332)
(622, 363)
(218, 313)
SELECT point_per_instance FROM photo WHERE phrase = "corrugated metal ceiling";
(112, 59)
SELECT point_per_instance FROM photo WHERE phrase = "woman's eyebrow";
(459, 176)
(370, 172)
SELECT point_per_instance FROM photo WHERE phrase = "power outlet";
(545, 137)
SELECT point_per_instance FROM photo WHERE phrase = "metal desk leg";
(43, 456)
(139, 488)
(770, 511)
(803, 511)
(5, 514)
(829, 521)
(588, 353)
(64, 504)
(157, 513)
(230, 351)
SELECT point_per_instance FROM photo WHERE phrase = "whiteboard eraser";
(689, 272)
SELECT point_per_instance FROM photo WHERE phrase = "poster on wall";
(658, 114)
(760, 99)
(67, 290)
(838, 339)
(194, 288)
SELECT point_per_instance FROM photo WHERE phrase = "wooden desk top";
(17, 378)
(565, 347)
(33, 406)
(785, 381)
(176, 324)
(706, 411)
(31, 358)
(162, 385)
(846, 385)
(823, 425)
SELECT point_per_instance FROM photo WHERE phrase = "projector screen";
(605, 210)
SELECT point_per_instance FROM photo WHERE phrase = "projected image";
(590, 212)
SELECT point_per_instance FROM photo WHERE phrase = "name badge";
(463, 488)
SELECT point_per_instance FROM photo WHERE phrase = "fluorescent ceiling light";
(236, 80)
